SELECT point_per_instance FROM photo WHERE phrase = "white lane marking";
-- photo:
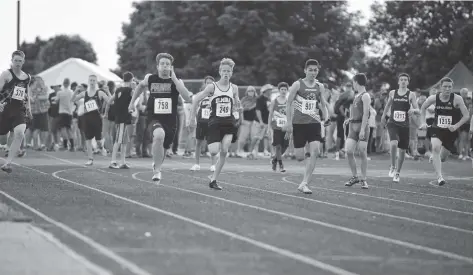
(268, 247)
(69, 252)
(328, 225)
(317, 201)
(134, 269)
(373, 186)
(285, 179)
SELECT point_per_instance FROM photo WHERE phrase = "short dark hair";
(164, 55)
(446, 79)
(310, 62)
(405, 75)
(18, 53)
(209, 77)
(283, 84)
(73, 85)
(360, 79)
(66, 82)
(127, 77)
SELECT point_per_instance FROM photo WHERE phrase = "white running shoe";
(89, 162)
(396, 177)
(391, 173)
(156, 174)
(212, 168)
(304, 188)
(195, 167)
(104, 152)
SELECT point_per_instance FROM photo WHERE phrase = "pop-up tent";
(76, 70)
(461, 76)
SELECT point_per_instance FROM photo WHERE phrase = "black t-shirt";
(123, 96)
(250, 115)
(53, 110)
(262, 106)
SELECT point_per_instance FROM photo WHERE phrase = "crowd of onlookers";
(50, 129)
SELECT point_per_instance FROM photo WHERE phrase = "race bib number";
(236, 115)
(444, 121)
(308, 107)
(223, 109)
(91, 105)
(399, 116)
(162, 106)
(19, 93)
(280, 122)
(205, 113)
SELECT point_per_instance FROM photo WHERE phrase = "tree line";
(271, 40)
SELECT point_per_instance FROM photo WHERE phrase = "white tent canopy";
(77, 70)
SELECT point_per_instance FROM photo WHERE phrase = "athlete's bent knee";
(19, 130)
(394, 143)
(158, 134)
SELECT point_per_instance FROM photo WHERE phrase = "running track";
(259, 223)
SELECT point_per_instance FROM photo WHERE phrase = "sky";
(97, 21)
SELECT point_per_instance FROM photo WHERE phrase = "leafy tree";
(31, 51)
(62, 47)
(268, 40)
(426, 39)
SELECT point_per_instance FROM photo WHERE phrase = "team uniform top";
(92, 104)
(16, 92)
(444, 112)
(400, 107)
(357, 109)
(222, 106)
(306, 104)
(162, 104)
(204, 111)
(279, 115)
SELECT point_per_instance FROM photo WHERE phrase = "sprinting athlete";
(304, 121)
(277, 114)
(123, 120)
(358, 131)
(15, 106)
(203, 115)
(222, 131)
(402, 104)
(162, 107)
(92, 120)
(443, 131)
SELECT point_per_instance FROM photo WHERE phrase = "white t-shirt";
(372, 116)
(64, 98)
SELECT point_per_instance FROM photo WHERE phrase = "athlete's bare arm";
(323, 105)
(77, 96)
(236, 96)
(366, 110)
(459, 103)
(141, 87)
(289, 104)
(199, 97)
(5, 77)
(183, 91)
(103, 96)
(413, 104)
(388, 106)
(429, 101)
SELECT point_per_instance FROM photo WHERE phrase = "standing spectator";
(341, 107)
(372, 127)
(248, 103)
(109, 128)
(142, 135)
(179, 128)
(262, 113)
(53, 113)
(464, 146)
(39, 108)
(65, 114)
(189, 132)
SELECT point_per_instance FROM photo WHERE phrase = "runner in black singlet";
(92, 119)
(443, 130)
(277, 117)
(222, 129)
(162, 107)
(203, 115)
(15, 106)
(402, 104)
